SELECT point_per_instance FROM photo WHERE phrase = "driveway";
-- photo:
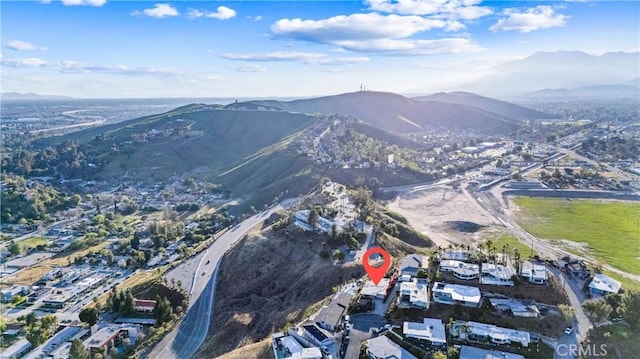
(581, 322)
(362, 329)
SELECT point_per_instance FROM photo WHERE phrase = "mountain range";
(399, 114)
(558, 70)
(30, 96)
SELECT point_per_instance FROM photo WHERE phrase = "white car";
(568, 331)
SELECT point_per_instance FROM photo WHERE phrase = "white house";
(460, 269)
(482, 332)
(454, 254)
(431, 330)
(496, 274)
(467, 352)
(602, 284)
(384, 348)
(370, 290)
(534, 273)
(414, 294)
(446, 293)
(412, 263)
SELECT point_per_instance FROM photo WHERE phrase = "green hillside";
(185, 139)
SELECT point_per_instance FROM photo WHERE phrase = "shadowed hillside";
(499, 107)
(396, 113)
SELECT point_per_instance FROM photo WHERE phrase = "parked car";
(568, 331)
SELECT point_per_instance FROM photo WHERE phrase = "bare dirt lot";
(430, 211)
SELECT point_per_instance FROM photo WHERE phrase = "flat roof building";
(446, 293)
(414, 294)
(483, 332)
(496, 274)
(384, 348)
(16, 349)
(602, 284)
(460, 270)
(467, 352)
(371, 290)
(534, 273)
(431, 330)
(412, 263)
(330, 315)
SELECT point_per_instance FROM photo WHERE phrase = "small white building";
(475, 331)
(384, 348)
(496, 274)
(16, 349)
(454, 254)
(452, 294)
(602, 284)
(414, 294)
(431, 330)
(459, 269)
(411, 264)
(370, 290)
(467, 352)
(534, 273)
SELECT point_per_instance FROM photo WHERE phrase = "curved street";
(184, 341)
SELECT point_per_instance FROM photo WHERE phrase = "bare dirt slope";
(265, 281)
(429, 210)
(259, 350)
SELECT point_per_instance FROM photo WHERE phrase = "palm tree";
(465, 328)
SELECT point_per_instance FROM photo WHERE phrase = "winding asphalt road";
(185, 340)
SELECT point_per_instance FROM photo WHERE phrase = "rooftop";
(373, 290)
(102, 337)
(458, 292)
(430, 329)
(605, 283)
(467, 352)
(332, 313)
(413, 263)
(490, 330)
(385, 348)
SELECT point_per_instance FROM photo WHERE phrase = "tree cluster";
(163, 311)
(121, 302)
(39, 330)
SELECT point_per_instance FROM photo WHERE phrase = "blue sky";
(109, 48)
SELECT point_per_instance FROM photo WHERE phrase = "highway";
(185, 340)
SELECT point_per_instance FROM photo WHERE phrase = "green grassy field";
(33, 242)
(514, 243)
(610, 228)
(627, 284)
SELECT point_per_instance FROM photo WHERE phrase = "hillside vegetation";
(266, 281)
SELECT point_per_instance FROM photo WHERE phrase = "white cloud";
(19, 45)
(275, 56)
(222, 13)
(451, 9)
(25, 62)
(342, 61)
(413, 47)
(304, 57)
(377, 33)
(158, 11)
(354, 27)
(249, 68)
(254, 18)
(82, 2)
(78, 67)
(539, 17)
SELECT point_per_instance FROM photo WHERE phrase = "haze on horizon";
(103, 49)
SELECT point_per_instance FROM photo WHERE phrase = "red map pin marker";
(376, 273)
